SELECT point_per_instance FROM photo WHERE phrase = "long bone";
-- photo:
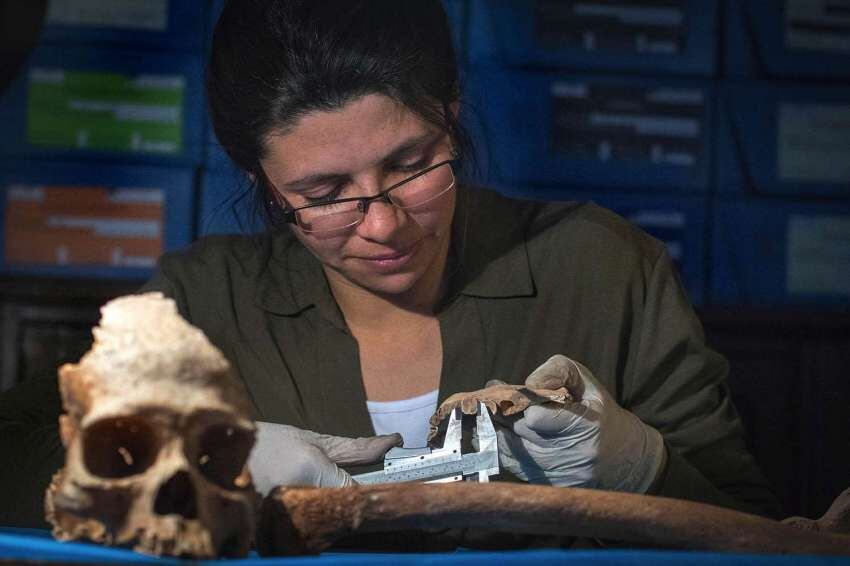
(310, 520)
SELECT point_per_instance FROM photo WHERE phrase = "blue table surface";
(33, 544)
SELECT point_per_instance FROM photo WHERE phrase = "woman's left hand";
(589, 442)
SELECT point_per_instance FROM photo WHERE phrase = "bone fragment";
(502, 400)
(835, 520)
(310, 520)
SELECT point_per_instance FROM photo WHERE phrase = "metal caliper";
(445, 464)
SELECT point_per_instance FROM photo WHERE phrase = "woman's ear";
(454, 108)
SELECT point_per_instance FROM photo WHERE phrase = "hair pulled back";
(273, 61)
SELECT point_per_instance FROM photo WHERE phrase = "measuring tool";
(446, 464)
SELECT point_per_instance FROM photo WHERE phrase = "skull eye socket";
(119, 447)
(224, 450)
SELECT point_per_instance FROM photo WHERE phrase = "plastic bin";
(783, 140)
(786, 39)
(154, 24)
(554, 129)
(649, 36)
(76, 103)
(776, 253)
(77, 220)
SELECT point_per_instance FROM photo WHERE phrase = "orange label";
(83, 226)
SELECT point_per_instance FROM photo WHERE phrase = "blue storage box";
(646, 36)
(783, 140)
(92, 220)
(678, 221)
(227, 205)
(591, 131)
(786, 38)
(775, 253)
(76, 103)
(156, 24)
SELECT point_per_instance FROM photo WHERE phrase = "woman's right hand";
(287, 455)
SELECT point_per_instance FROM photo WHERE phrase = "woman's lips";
(391, 261)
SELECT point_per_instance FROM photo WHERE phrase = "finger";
(558, 371)
(334, 477)
(346, 451)
(506, 421)
(358, 451)
(593, 388)
(506, 441)
(514, 456)
(309, 465)
(553, 420)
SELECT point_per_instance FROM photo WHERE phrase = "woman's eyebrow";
(317, 179)
(411, 145)
(406, 147)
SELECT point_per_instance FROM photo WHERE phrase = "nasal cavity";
(177, 497)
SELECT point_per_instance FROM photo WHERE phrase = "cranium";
(157, 437)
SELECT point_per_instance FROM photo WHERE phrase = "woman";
(383, 285)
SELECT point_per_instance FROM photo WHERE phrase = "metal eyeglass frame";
(288, 216)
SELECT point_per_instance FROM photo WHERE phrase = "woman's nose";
(381, 221)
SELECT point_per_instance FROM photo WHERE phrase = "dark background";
(673, 113)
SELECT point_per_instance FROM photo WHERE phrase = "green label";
(105, 111)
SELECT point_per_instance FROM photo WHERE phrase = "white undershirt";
(406, 416)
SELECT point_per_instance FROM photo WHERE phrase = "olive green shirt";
(526, 280)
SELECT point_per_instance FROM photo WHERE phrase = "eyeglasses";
(336, 215)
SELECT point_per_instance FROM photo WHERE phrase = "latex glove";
(589, 442)
(287, 455)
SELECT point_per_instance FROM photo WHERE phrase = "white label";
(814, 143)
(109, 227)
(25, 193)
(818, 255)
(817, 25)
(150, 15)
(137, 196)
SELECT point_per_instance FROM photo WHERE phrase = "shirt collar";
(489, 259)
(291, 280)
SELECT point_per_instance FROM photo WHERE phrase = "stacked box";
(555, 128)
(150, 24)
(783, 140)
(227, 205)
(75, 220)
(787, 39)
(85, 103)
(644, 36)
(774, 253)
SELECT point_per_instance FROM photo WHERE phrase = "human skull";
(157, 438)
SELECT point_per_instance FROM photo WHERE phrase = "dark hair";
(273, 61)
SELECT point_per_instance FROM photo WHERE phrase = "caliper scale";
(448, 463)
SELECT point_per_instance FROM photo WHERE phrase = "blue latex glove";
(590, 442)
(287, 455)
